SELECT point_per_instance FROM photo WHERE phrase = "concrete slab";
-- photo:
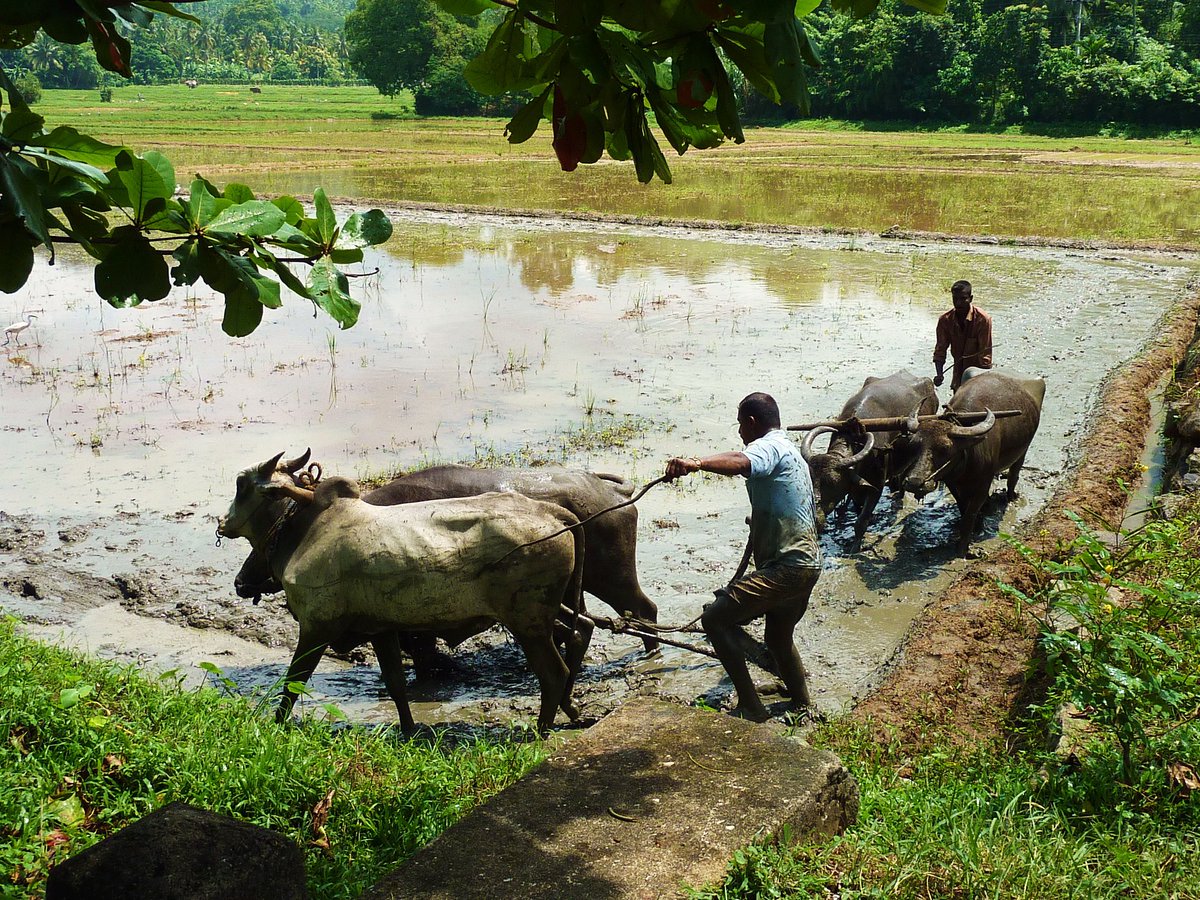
(652, 797)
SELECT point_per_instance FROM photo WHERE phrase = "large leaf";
(326, 221)
(521, 126)
(329, 289)
(242, 315)
(16, 249)
(132, 270)
(145, 178)
(237, 193)
(367, 229)
(293, 210)
(20, 182)
(202, 206)
(254, 218)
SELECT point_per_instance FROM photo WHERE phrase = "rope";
(632, 500)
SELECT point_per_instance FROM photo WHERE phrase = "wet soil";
(498, 339)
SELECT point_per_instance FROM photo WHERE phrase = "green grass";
(815, 174)
(86, 748)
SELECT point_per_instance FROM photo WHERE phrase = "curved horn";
(913, 422)
(979, 430)
(269, 466)
(291, 465)
(806, 445)
(861, 454)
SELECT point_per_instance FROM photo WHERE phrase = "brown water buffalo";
(609, 570)
(967, 457)
(858, 467)
(350, 569)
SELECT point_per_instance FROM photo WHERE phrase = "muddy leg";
(391, 666)
(780, 630)
(870, 500)
(551, 672)
(720, 619)
(309, 650)
(970, 518)
(577, 641)
(1014, 472)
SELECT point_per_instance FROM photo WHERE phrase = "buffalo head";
(834, 473)
(933, 449)
(259, 490)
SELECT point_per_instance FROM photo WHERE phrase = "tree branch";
(532, 17)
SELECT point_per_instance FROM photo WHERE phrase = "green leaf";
(20, 182)
(167, 8)
(202, 205)
(79, 168)
(346, 257)
(936, 7)
(242, 315)
(145, 178)
(330, 290)
(187, 272)
(782, 47)
(325, 219)
(504, 64)
(132, 271)
(521, 126)
(68, 810)
(254, 218)
(292, 209)
(804, 7)
(367, 229)
(285, 274)
(70, 697)
(21, 125)
(16, 249)
(237, 193)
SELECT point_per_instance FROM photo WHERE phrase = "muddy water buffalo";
(350, 569)
(858, 467)
(967, 457)
(610, 569)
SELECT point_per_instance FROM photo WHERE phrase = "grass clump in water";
(87, 747)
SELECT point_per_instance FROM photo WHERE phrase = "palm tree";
(45, 55)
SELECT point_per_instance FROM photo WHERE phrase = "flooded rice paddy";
(495, 339)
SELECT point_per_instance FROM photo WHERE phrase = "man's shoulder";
(984, 316)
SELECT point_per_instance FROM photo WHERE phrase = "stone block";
(653, 797)
(183, 853)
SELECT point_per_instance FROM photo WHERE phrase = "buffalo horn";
(913, 422)
(291, 465)
(967, 431)
(269, 466)
(861, 454)
(806, 449)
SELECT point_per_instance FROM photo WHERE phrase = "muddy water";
(605, 347)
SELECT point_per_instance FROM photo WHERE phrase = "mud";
(491, 338)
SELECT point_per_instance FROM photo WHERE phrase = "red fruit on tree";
(694, 89)
(570, 133)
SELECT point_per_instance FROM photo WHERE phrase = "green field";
(822, 175)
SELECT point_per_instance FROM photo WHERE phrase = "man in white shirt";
(787, 557)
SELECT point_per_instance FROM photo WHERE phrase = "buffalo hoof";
(750, 712)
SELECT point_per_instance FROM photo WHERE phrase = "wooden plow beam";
(899, 423)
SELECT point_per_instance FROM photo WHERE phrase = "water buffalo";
(350, 569)
(967, 457)
(860, 472)
(610, 569)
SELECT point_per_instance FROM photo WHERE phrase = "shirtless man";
(967, 331)
(787, 557)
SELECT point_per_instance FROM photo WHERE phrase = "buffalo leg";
(577, 640)
(867, 509)
(1014, 472)
(309, 651)
(969, 513)
(551, 672)
(391, 666)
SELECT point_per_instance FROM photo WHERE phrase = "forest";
(986, 62)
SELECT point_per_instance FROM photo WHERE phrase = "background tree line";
(987, 62)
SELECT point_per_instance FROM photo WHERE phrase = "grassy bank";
(88, 748)
(1114, 813)
(812, 174)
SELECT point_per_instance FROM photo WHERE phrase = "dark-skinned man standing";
(966, 330)
(787, 557)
